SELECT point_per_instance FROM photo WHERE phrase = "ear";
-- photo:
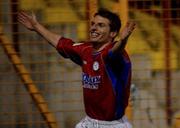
(113, 34)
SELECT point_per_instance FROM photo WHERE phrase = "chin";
(94, 40)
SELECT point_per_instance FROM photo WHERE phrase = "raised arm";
(124, 35)
(31, 23)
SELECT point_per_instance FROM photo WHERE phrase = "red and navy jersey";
(106, 78)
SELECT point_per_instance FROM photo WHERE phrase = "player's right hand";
(29, 21)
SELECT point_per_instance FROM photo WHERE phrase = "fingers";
(25, 19)
(21, 19)
(130, 26)
(22, 16)
(128, 29)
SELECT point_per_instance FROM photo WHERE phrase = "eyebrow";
(102, 23)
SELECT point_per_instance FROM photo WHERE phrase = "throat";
(99, 47)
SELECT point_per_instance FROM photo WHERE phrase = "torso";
(105, 78)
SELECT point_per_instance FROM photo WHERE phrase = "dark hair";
(115, 22)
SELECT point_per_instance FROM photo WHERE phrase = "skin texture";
(100, 34)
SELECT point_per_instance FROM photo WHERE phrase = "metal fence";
(39, 88)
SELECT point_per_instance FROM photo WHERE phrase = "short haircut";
(115, 22)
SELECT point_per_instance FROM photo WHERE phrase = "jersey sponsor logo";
(91, 82)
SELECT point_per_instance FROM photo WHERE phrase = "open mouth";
(94, 34)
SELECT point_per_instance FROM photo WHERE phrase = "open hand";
(127, 30)
(29, 21)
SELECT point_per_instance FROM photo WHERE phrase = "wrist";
(36, 26)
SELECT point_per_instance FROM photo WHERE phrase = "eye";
(92, 23)
(101, 25)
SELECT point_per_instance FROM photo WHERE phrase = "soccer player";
(106, 67)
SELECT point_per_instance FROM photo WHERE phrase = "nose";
(93, 27)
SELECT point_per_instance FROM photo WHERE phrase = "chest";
(93, 71)
(93, 64)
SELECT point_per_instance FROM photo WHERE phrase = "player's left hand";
(127, 30)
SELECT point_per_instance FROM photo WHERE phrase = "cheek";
(106, 32)
(106, 35)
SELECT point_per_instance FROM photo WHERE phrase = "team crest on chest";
(95, 66)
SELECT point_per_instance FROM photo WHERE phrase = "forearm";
(124, 35)
(51, 37)
(120, 45)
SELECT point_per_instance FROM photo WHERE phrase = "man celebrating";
(106, 67)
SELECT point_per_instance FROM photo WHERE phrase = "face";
(100, 30)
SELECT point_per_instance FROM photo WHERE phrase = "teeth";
(94, 34)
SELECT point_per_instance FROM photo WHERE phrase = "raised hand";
(127, 30)
(125, 33)
(29, 21)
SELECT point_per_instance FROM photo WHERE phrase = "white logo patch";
(95, 66)
(76, 44)
(84, 62)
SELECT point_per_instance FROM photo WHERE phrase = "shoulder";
(77, 44)
(82, 43)
(121, 57)
(67, 41)
(82, 46)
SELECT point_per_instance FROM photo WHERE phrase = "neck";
(99, 46)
